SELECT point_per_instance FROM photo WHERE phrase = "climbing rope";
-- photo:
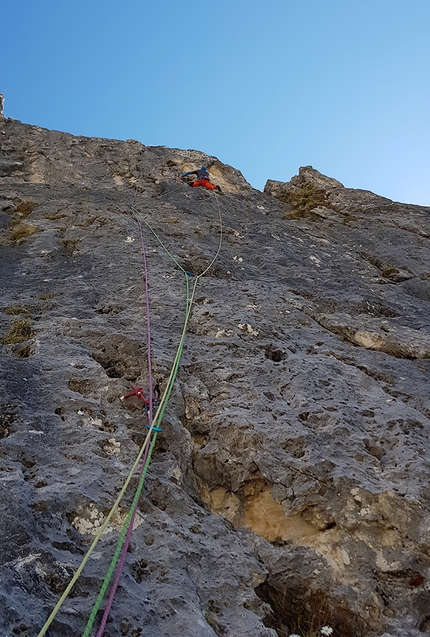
(145, 450)
(171, 255)
(98, 535)
(122, 547)
(125, 537)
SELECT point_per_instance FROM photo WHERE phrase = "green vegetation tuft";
(312, 613)
(21, 231)
(303, 200)
(26, 207)
(19, 332)
(389, 270)
(16, 310)
(46, 297)
(70, 245)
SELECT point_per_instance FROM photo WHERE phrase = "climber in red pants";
(203, 179)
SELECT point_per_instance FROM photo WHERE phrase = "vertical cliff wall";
(289, 486)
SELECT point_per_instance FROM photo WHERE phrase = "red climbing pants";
(203, 182)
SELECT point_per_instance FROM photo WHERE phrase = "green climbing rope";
(157, 418)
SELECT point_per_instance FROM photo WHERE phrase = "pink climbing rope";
(148, 322)
(127, 540)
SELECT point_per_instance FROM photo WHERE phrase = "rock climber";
(203, 179)
(1, 104)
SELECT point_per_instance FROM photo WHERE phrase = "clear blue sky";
(342, 85)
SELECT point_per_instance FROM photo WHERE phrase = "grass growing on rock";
(22, 231)
(311, 613)
(303, 200)
(16, 310)
(19, 332)
(46, 297)
(26, 207)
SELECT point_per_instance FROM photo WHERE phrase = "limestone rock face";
(289, 487)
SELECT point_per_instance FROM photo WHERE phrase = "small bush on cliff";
(45, 297)
(16, 310)
(21, 231)
(303, 200)
(19, 332)
(26, 207)
(309, 613)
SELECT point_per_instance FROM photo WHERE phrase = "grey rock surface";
(289, 487)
